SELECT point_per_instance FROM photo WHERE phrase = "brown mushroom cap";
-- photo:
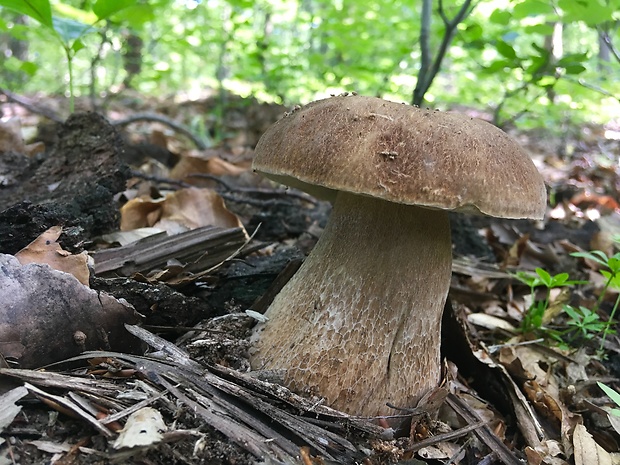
(403, 154)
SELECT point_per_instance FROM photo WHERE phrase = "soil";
(73, 186)
(76, 185)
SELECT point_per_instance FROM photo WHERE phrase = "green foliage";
(533, 317)
(613, 395)
(582, 323)
(293, 51)
(39, 10)
(585, 322)
(612, 280)
(67, 31)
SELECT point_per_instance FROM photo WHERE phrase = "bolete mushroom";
(359, 323)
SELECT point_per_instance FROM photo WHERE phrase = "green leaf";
(559, 279)
(612, 394)
(612, 278)
(574, 69)
(473, 32)
(595, 255)
(545, 277)
(106, 8)
(506, 50)
(527, 278)
(499, 65)
(500, 16)
(29, 68)
(573, 58)
(542, 29)
(572, 312)
(532, 8)
(77, 46)
(39, 10)
(69, 29)
(614, 263)
(136, 16)
(592, 12)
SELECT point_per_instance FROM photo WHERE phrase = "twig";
(199, 143)
(30, 106)
(587, 85)
(446, 436)
(604, 35)
(428, 71)
(485, 433)
(159, 179)
(258, 190)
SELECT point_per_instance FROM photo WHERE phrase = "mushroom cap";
(404, 154)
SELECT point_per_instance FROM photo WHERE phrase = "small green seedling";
(613, 395)
(69, 33)
(584, 321)
(533, 318)
(612, 280)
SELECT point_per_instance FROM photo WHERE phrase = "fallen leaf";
(45, 250)
(179, 211)
(195, 207)
(143, 428)
(490, 322)
(203, 163)
(129, 237)
(442, 450)
(587, 451)
(140, 212)
(8, 407)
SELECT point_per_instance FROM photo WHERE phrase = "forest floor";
(145, 353)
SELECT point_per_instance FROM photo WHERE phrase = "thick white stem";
(359, 323)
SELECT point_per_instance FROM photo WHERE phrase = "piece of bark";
(196, 250)
(47, 316)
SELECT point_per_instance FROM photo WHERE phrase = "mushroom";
(359, 323)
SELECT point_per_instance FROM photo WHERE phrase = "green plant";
(583, 322)
(68, 32)
(533, 317)
(612, 280)
(613, 395)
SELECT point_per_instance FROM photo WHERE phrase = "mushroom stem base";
(359, 324)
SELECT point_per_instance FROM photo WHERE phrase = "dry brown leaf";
(140, 212)
(199, 163)
(179, 211)
(46, 251)
(541, 387)
(547, 453)
(587, 451)
(195, 207)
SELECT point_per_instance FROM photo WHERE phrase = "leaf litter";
(508, 396)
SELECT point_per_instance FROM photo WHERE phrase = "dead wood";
(199, 249)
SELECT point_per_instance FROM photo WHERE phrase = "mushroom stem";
(359, 323)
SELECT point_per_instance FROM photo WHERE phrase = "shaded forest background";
(549, 64)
